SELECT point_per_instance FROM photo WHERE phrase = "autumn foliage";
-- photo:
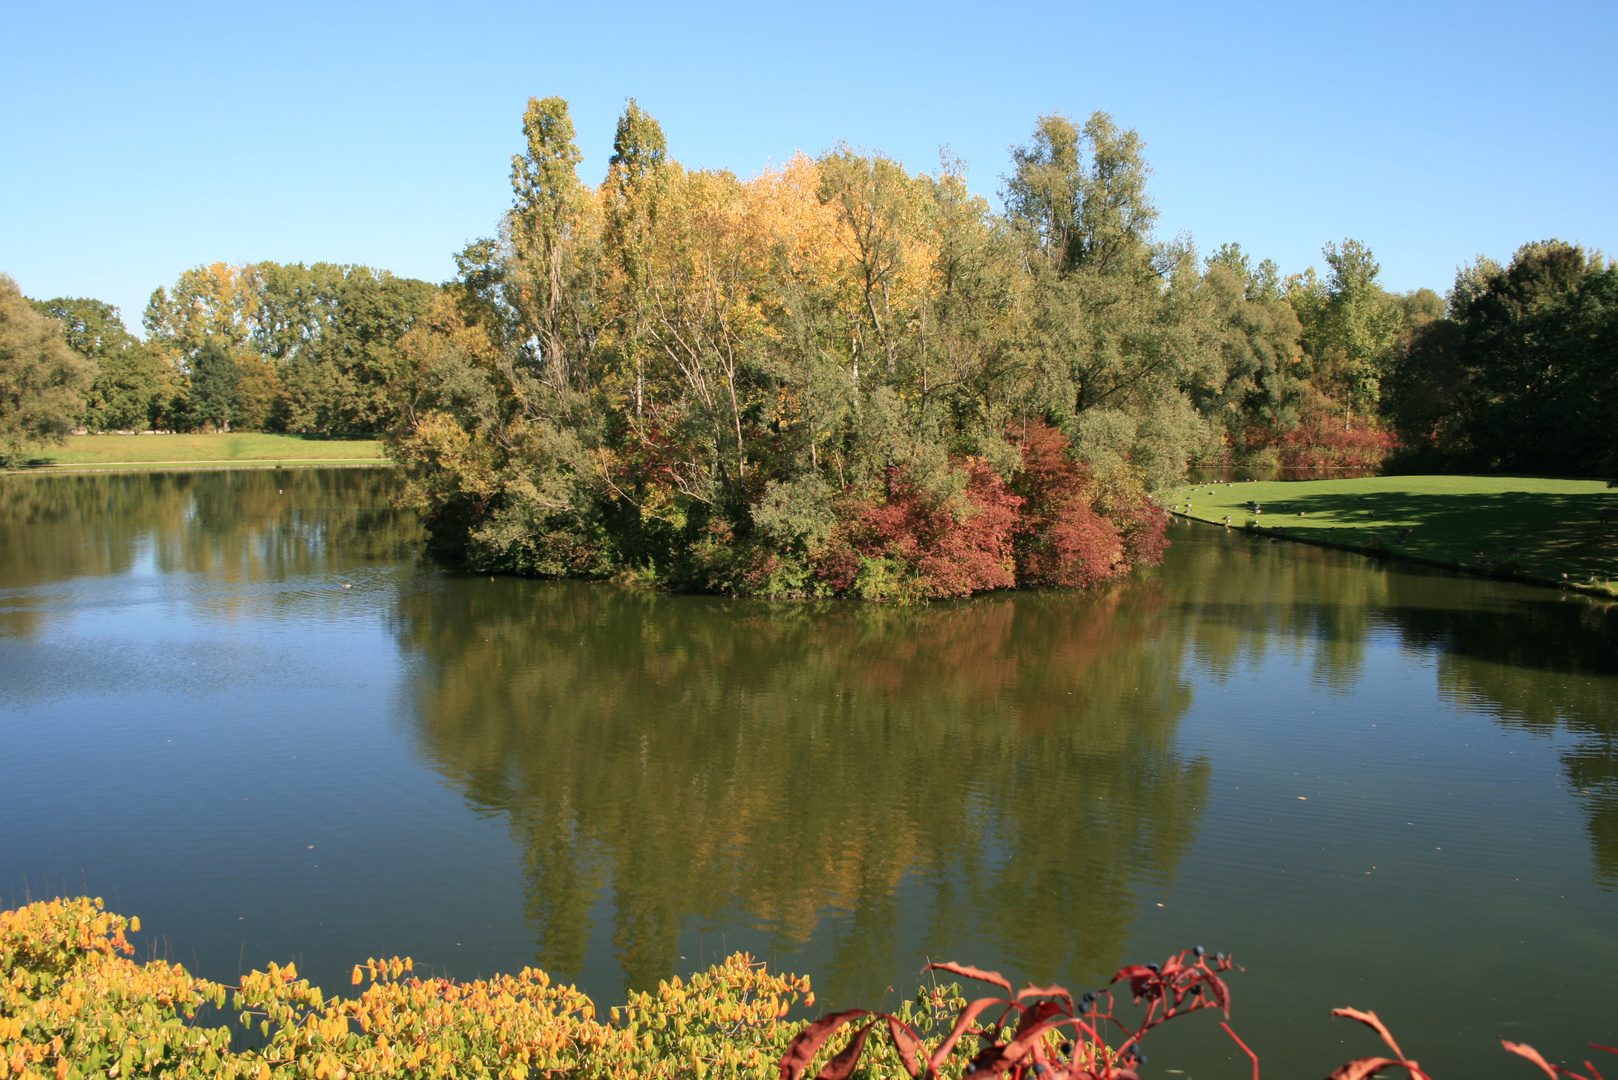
(74, 1005)
(808, 382)
(1045, 1032)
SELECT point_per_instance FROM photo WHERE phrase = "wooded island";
(840, 376)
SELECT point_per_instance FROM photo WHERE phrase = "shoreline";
(1376, 551)
(183, 465)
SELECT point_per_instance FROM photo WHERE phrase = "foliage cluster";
(828, 378)
(262, 347)
(1521, 372)
(73, 1004)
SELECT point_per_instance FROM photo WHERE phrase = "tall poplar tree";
(548, 269)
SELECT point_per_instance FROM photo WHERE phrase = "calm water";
(241, 706)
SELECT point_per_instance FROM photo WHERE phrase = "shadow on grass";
(1546, 533)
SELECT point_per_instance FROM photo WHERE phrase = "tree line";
(843, 376)
(262, 347)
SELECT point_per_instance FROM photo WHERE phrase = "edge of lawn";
(1379, 548)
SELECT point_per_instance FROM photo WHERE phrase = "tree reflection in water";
(1535, 659)
(792, 767)
(231, 526)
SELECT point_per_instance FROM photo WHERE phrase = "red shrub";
(935, 548)
(1053, 525)
(1074, 532)
(1321, 442)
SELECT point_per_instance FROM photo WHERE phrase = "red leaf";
(1053, 990)
(1369, 1019)
(1037, 1014)
(1025, 1041)
(905, 1041)
(1524, 1050)
(1360, 1068)
(807, 1042)
(1134, 971)
(839, 1067)
(1221, 992)
(973, 973)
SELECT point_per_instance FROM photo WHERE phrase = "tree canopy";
(41, 379)
(1521, 372)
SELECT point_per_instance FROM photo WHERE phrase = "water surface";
(242, 706)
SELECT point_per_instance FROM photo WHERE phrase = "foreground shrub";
(1047, 1033)
(73, 1004)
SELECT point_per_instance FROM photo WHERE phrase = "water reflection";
(793, 767)
(1535, 659)
(228, 527)
(1539, 661)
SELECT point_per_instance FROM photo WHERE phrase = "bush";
(72, 1004)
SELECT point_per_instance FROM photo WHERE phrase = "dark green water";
(1377, 785)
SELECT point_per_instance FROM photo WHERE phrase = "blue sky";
(137, 140)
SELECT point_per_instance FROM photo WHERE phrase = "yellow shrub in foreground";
(72, 1004)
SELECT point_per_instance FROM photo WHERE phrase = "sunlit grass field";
(136, 451)
(1538, 527)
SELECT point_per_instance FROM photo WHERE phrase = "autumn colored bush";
(1052, 524)
(1324, 443)
(1044, 1032)
(74, 1005)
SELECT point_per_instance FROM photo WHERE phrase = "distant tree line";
(262, 347)
(842, 376)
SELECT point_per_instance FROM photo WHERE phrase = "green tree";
(1263, 386)
(549, 266)
(1350, 326)
(1520, 374)
(637, 185)
(133, 387)
(1118, 331)
(215, 378)
(42, 380)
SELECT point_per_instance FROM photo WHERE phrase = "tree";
(215, 378)
(41, 380)
(133, 386)
(546, 271)
(1263, 387)
(1116, 327)
(1522, 374)
(1350, 325)
(92, 328)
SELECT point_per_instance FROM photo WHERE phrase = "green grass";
(137, 451)
(1516, 526)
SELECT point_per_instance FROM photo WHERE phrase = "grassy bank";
(1535, 528)
(205, 451)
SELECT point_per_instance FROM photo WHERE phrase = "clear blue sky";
(137, 140)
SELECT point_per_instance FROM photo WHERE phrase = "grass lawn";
(1541, 528)
(113, 451)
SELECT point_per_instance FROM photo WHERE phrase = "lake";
(244, 706)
